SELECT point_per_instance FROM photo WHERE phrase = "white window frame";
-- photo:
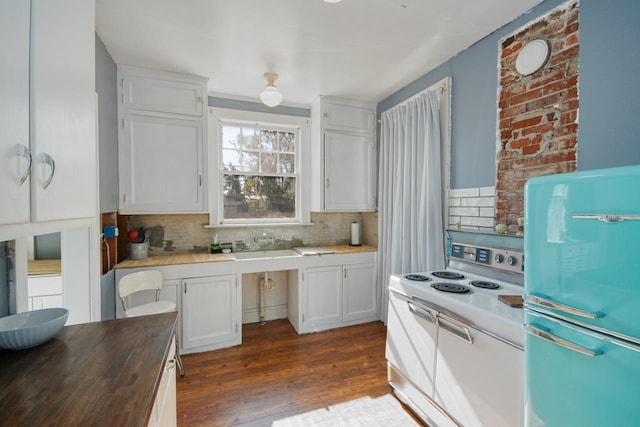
(221, 116)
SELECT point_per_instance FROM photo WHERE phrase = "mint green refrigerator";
(582, 299)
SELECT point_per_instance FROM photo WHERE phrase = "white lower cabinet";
(359, 296)
(321, 296)
(210, 307)
(44, 291)
(333, 296)
(165, 412)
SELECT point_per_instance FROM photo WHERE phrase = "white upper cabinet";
(343, 139)
(162, 92)
(14, 112)
(47, 111)
(348, 116)
(161, 133)
(348, 172)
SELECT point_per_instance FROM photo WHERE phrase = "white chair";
(148, 280)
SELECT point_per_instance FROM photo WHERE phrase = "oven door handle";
(420, 312)
(465, 336)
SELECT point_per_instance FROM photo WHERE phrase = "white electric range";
(454, 348)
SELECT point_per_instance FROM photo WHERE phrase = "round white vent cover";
(532, 57)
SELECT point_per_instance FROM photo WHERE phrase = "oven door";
(411, 353)
(411, 340)
(479, 377)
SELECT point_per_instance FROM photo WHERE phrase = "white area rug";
(383, 411)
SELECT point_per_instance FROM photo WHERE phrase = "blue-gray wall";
(608, 90)
(257, 107)
(106, 87)
(609, 129)
(47, 246)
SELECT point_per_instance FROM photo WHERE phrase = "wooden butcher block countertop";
(158, 261)
(164, 260)
(348, 249)
(44, 267)
(94, 374)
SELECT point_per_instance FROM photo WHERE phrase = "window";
(258, 172)
(259, 179)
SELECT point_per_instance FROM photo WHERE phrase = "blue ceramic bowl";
(31, 328)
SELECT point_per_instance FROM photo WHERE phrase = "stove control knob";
(499, 258)
(512, 260)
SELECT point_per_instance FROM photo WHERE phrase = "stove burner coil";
(451, 287)
(485, 285)
(417, 277)
(449, 275)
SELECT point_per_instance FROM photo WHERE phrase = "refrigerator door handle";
(546, 302)
(607, 218)
(559, 341)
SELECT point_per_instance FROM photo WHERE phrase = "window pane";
(269, 163)
(250, 197)
(287, 163)
(287, 141)
(231, 137)
(269, 140)
(251, 161)
(230, 160)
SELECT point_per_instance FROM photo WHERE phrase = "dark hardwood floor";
(277, 373)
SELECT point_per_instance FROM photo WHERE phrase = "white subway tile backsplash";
(478, 201)
(464, 192)
(488, 212)
(472, 208)
(477, 221)
(487, 191)
(469, 211)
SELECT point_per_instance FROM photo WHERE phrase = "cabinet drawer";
(44, 285)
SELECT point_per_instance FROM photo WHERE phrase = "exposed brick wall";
(537, 114)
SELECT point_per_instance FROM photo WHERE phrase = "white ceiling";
(360, 49)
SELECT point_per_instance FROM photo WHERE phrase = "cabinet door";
(359, 293)
(322, 296)
(348, 118)
(209, 310)
(14, 111)
(165, 407)
(63, 131)
(162, 92)
(349, 183)
(161, 165)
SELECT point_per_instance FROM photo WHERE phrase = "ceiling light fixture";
(270, 96)
(332, 1)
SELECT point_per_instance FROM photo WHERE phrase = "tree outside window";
(259, 172)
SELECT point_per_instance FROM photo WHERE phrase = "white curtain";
(411, 234)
